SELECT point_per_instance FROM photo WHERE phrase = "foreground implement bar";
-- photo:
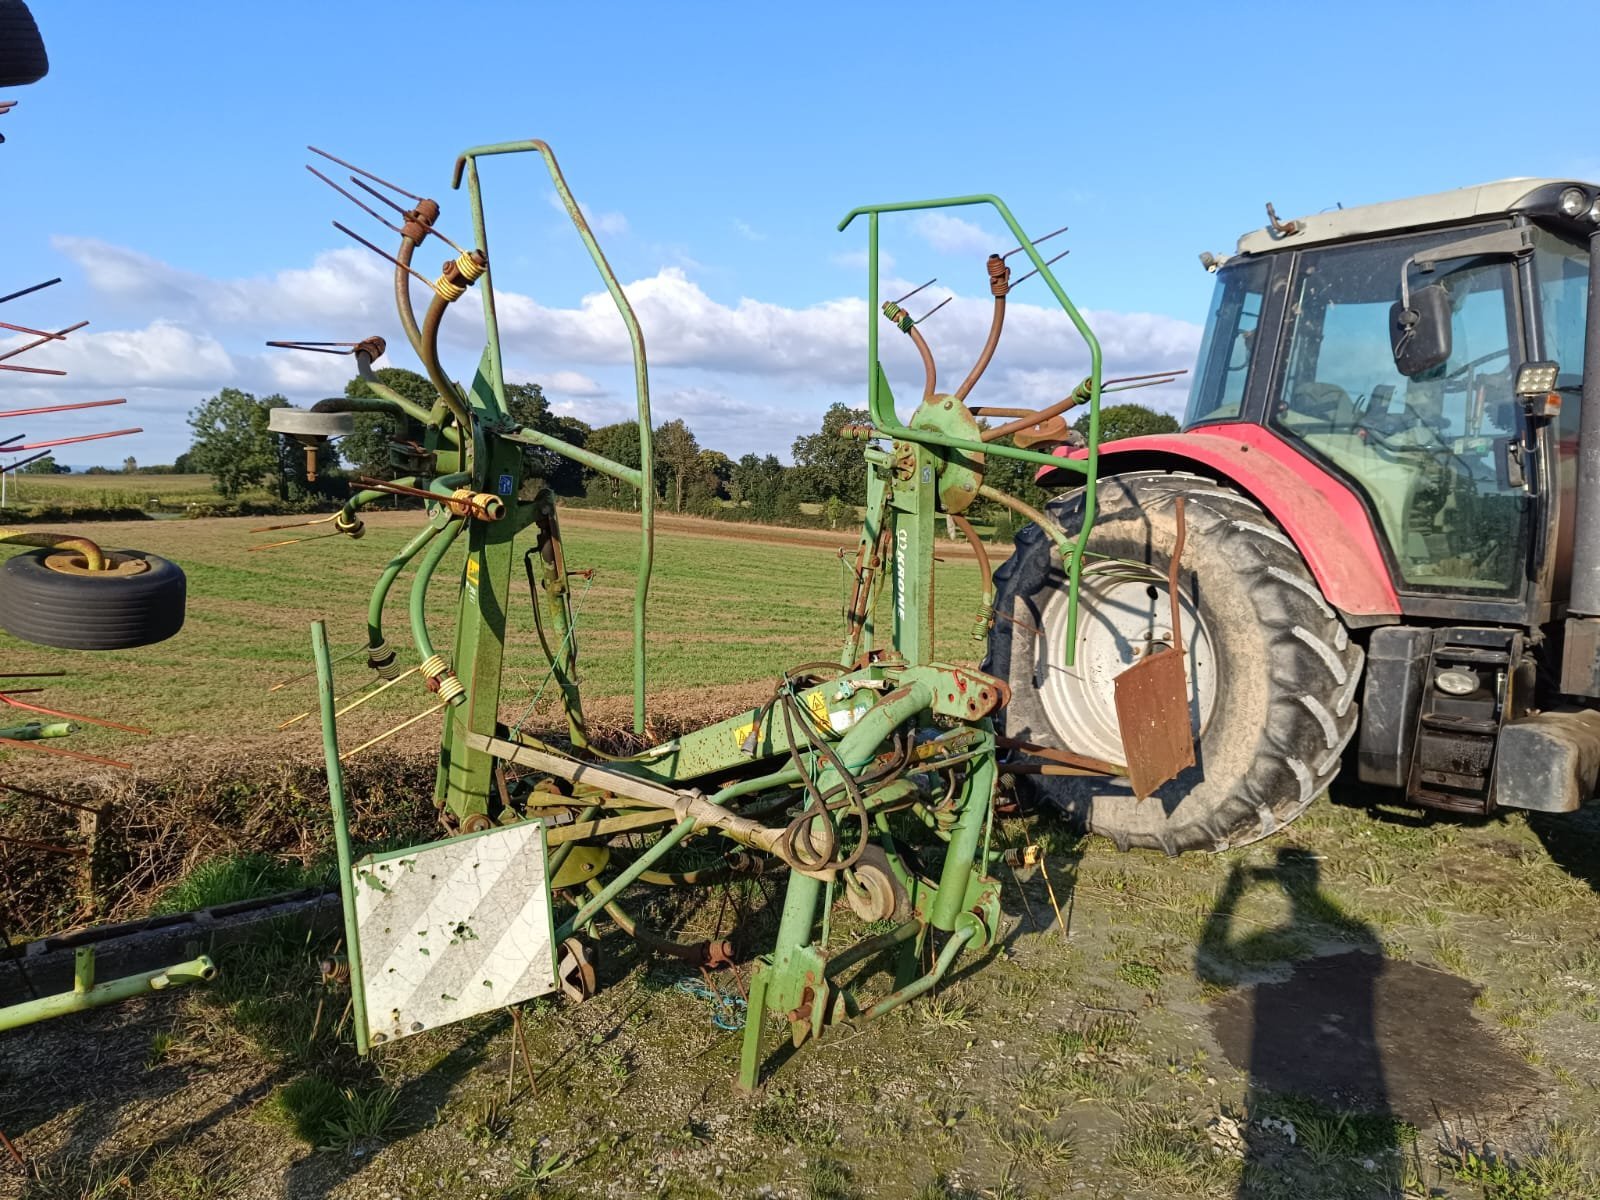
(1153, 700)
(87, 994)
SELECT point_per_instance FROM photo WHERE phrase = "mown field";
(152, 493)
(1185, 1027)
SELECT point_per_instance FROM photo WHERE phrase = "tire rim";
(1119, 621)
(118, 566)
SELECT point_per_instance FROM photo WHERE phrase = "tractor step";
(1549, 762)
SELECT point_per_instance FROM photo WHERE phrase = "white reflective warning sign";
(453, 929)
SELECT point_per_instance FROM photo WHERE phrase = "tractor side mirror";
(1419, 332)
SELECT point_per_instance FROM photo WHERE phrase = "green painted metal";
(87, 994)
(824, 772)
(641, 379)
(341, 828)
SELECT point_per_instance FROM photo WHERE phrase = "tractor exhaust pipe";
(1580, 658)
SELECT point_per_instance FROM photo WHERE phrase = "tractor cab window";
(1434, 453)
(1225, 353)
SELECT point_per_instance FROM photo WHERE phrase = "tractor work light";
(1537, 378)
(1594, 211)
(1572, 201)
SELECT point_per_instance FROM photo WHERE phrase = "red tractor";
(1392, 499)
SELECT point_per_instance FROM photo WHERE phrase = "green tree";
(619, 443)
(43, 466)
(130, 465)
(1127, 420)
(367, 448)
(233, 445)
(759, 483)
(716, 469)
(678, 453)
(828, 465)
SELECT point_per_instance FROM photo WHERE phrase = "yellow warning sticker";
(472, 571)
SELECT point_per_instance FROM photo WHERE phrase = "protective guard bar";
(886, 421)
(643, 478)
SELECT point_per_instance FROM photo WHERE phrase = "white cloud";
(568, 383)
(748, 231)
(748, 370)
(341, 285)
(161, 355)
(952, 235)
(610, 223)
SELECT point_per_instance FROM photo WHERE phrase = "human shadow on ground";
(1318, 1041)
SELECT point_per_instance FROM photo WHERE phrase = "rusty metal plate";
(1153, 717)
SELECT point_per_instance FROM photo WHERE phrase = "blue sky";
(158, 169)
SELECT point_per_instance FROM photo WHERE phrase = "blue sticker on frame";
(505, 485)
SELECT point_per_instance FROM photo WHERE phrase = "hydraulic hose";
(430, 359)
(433, 666)
(999, 285)
(380, 656)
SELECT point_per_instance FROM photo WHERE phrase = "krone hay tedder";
(867, 780)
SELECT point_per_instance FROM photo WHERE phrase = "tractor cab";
(1384, 344)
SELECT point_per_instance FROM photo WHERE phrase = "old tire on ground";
(1272, 672)
(48, 597)
(22, 56)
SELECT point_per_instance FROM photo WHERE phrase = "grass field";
(170, 493)
(729, 605)
(1145, 1044)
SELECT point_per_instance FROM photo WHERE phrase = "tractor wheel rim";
(1119, 619)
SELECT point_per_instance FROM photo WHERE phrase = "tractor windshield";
(1436, 454)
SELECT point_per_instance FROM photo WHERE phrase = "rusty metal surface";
(1152, 699)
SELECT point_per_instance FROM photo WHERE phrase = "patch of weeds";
(942, 1013)
(1036, 1146)
(614, 1061)
(1091, 1081)
(76, 1179)
(1165, 1156)
(225, 880)
(1327, 1133)
(1006, 1187)
(487, 1120)
(1095, 1035)
(1549, 1172)
(328, 1117)
(939, 1188)
(1039, 1092)
(162, 1043)
(541, 1168)
(1141, 975)
(827, 1179)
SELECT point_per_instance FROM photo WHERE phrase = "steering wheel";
(1468, 367)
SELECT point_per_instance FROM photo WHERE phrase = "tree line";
(826, 483)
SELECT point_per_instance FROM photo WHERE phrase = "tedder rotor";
(866, 782)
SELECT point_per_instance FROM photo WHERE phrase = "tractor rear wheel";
(1272, 672)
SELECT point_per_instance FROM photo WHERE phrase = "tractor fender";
(1324, 519)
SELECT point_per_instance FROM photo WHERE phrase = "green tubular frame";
(642, 477)
(885, 420)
